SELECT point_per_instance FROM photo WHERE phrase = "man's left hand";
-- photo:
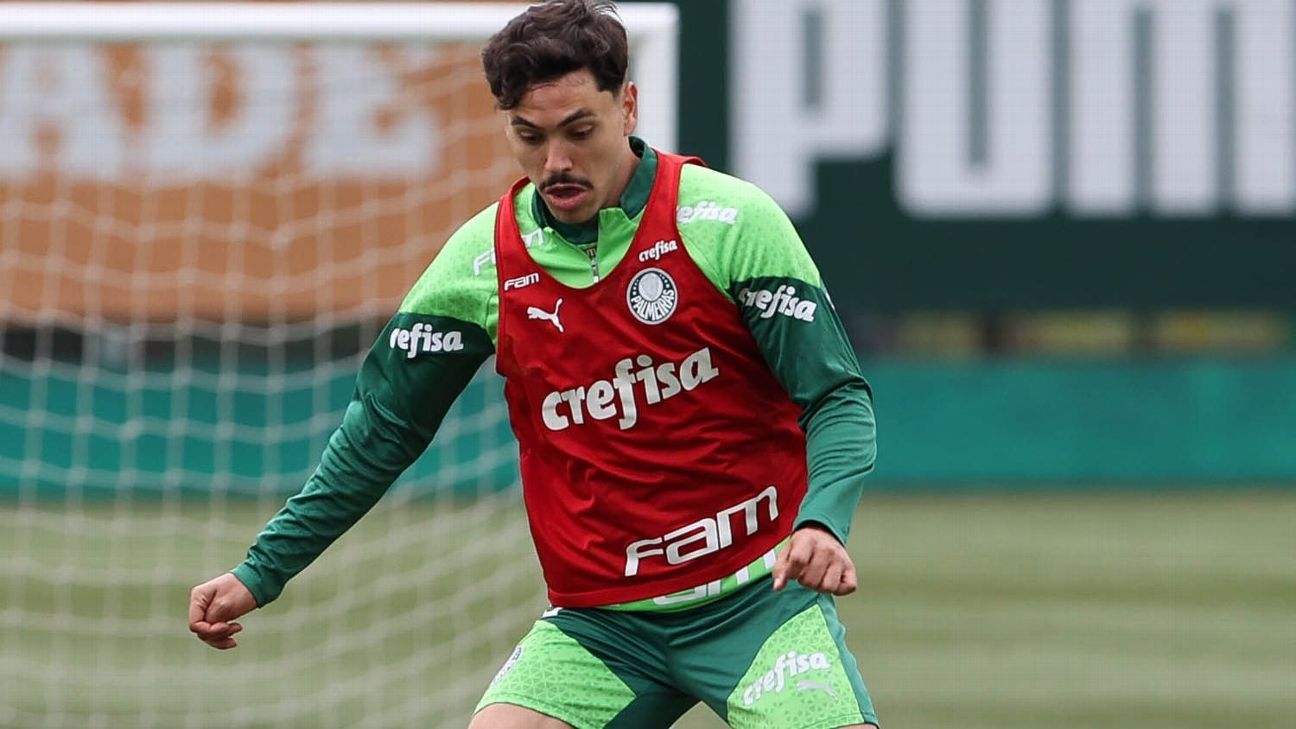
(815, 558)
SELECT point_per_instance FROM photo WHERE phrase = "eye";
(582, 132)
(528, 138)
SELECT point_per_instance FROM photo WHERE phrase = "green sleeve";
(749, 248)
(416, 369)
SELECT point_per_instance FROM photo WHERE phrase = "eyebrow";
(575, 116)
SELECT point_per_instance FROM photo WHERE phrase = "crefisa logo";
(423, 338)
(659, 249)
(652, 296)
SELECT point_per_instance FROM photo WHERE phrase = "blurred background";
(1062, 235)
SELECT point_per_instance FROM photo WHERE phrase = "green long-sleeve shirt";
(738, 237)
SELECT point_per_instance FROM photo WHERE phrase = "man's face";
(570, 139)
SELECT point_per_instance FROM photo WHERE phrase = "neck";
(631, 163)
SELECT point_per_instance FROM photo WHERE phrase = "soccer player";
(692, 421)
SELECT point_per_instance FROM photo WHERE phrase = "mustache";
(565, 179)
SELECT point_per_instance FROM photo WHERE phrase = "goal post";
(207, 213)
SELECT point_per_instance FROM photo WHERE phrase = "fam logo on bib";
(652, 296)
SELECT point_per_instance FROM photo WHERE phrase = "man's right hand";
(212, 607)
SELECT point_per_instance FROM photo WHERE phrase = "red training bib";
(658, 451)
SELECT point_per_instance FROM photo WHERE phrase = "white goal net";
(207, 213)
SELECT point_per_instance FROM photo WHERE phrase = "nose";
(557, 158)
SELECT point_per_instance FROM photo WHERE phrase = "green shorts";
(758, 658)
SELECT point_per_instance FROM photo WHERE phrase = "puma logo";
(534, 312)
(805, 685)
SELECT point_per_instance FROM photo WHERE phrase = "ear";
(630, 107)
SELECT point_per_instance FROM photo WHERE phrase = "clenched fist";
(815, 558)
(214, 605)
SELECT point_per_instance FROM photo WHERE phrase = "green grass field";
(1151, 611)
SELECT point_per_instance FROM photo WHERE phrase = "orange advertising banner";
(251, 183)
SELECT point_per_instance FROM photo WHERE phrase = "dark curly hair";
(553, 39)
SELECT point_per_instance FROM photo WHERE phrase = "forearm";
(841, 446)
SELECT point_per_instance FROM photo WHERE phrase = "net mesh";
(199, 243)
